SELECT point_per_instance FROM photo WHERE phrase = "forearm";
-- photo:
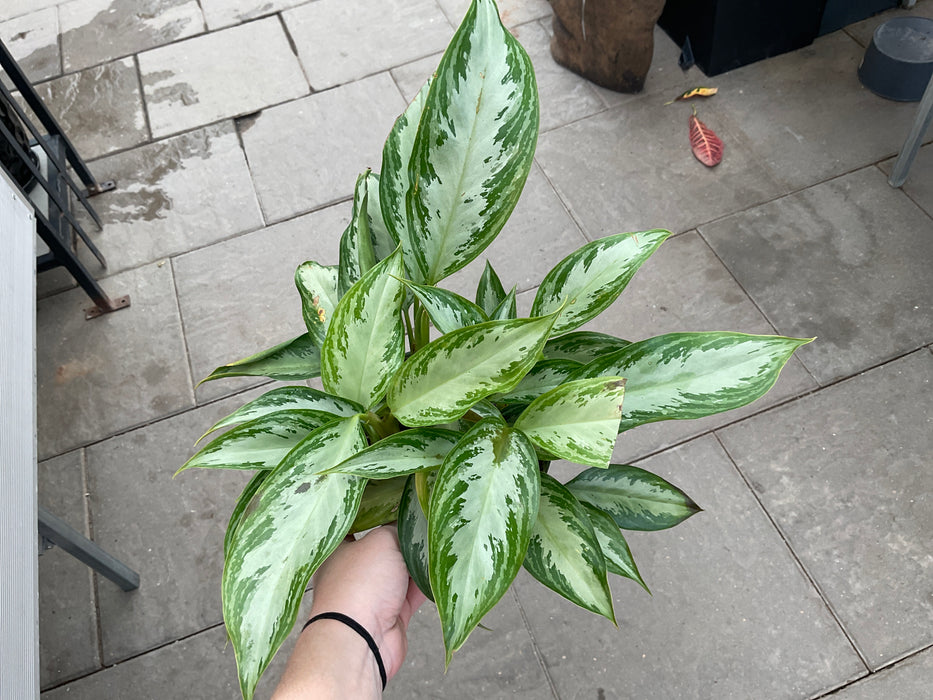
(330, 662)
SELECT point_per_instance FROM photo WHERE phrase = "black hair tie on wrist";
(360, 630)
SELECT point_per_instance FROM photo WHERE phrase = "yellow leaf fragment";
(695, 92)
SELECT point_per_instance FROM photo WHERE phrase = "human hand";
(367, 579)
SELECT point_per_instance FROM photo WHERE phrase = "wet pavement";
(235, 131)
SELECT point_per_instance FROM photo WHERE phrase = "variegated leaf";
(401, 454)
(413, 537)
(506, 308)
(615, 549)
(578, 420)
(287, 398)
(636, 499)
(489, 291)
(365, 344)
(588, 280)
(317, 286)
(448, 311)
(544, 376)
(564, 554)
(260, 443)
(483, 505)
(384, 243)
(482, 409)
(356, 244)
(295, 520)
(394, 179)
(379, 504)
(292, 360)
(239, 508)
(582, 346)
(692, 375)
(444, 379)
(474, 146)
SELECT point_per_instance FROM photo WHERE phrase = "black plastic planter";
(727, 34)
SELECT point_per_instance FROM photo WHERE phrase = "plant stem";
(379, 427)
(422, 327)
(409, 330)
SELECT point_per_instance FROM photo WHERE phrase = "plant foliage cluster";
(452, 435)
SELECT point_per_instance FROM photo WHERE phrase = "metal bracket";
(100, 188)
(107, 308)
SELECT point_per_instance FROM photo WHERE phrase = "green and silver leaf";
(288, 398)
(384, 243)
(260, 443)
(489, 292)
(588, 280)
(379, 504)
(295, 520)
(440, 382)
(365, 343)
(317, 286)
(401, 454)
(239, 508)
(292, 360)
(578, 420)
(448, 311)
(394, 181)
(564, 554)
(544, 376)
(413, 537)
(474, 145)
(506, 308)
(636, 499)
(357, 256)
(482, 509)
(615, 549)
(582, 346)
(692, 375)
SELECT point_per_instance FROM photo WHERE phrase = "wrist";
(338, 663)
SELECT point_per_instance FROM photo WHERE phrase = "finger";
(414, 598)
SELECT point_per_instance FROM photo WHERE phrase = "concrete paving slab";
(100, 109)
(238, 297)
(336, 47)
(98, 377)
(730, 613)
(814, 120)
(17, 8)
(564, 96)
(862, 31)
(96, 31)
(910, 679)
(218, 75)
(172, 196)
(512, 12)
(684, 287)
(847, 261)
(223, 13)
(308, 153)
(844, 473)
(201, 666)
(169, 530)
(919, 183)
(33, 42)
(67, 605)
(539, 234)
(631, 168)
(499, 663)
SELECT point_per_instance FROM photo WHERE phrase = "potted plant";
(451, 432)
(606, 41)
